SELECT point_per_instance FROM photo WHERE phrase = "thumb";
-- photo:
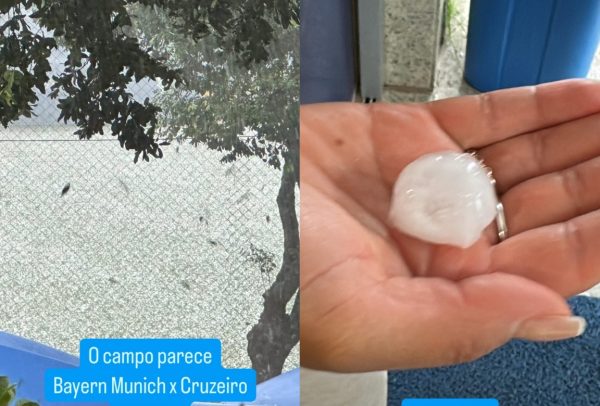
(429, 322)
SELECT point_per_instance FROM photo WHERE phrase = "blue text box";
(151, 372)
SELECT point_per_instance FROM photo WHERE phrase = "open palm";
(374, 298)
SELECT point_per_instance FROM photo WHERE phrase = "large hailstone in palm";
(444, 198)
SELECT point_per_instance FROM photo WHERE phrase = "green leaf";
(9, 77)
(6, 93)
(4, 383)
(8, 395)
(24, 402)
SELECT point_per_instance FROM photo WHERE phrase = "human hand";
(374, 298)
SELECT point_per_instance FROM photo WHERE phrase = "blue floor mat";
(562, 373)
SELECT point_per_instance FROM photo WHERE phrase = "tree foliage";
(243, 111)
(103, 57)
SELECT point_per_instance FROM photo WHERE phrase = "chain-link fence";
(93, 245)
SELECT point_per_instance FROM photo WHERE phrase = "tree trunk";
(276, 333)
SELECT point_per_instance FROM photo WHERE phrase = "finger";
(553, 198)
(540, 152)
(480, 120)
(564, 256)
(429, 322)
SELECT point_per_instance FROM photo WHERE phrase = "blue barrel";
(327, 70)
(525, 42)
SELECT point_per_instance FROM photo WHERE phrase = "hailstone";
(444, 198)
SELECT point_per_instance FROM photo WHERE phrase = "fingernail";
(551, 328)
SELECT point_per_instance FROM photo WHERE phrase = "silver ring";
(501, 224)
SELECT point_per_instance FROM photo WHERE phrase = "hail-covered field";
(93, 245)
